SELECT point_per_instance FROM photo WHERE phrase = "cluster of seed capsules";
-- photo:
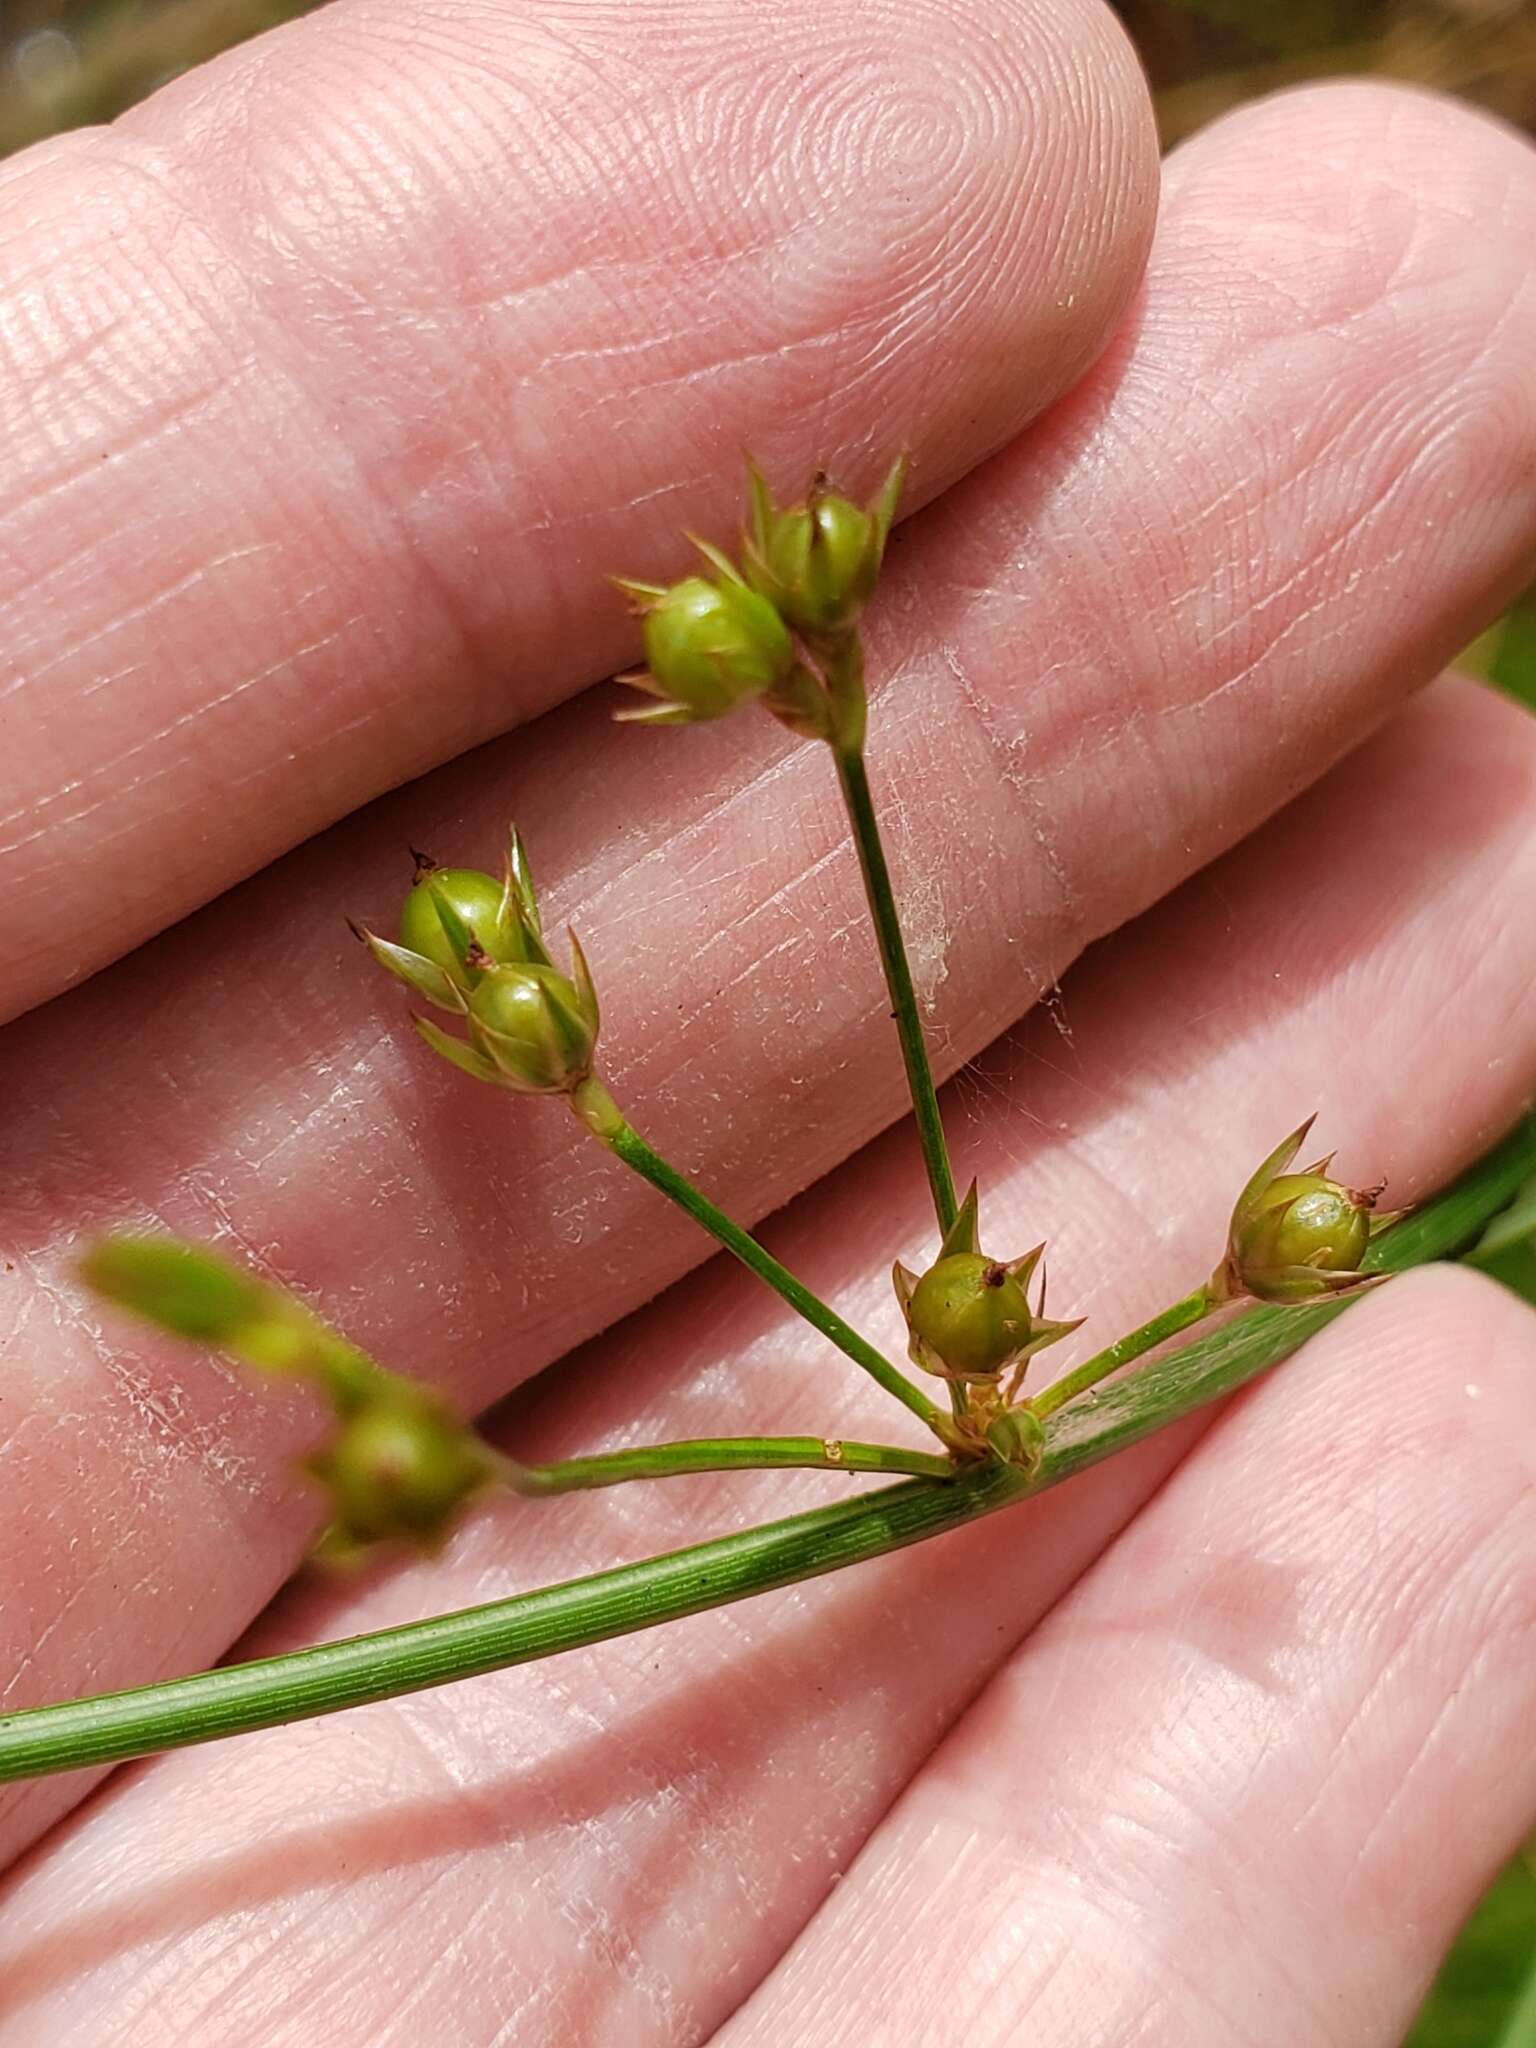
(473, 946)
(779, 627)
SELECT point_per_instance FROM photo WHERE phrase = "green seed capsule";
(1304, 1219)
(402, 1466)
(712, 646)
(972, 1314)
(820, 565)
(477, 900)
(817, 562)
(533, 1027)
(1297, 1236)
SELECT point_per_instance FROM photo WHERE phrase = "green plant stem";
(596, 1108)
(325, 1680)
(854, 783)
(727, 1454)
(1167, 1324)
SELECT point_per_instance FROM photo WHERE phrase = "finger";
(721, 1773)
(341, 373)
(236, 1081)
(1317, 1640)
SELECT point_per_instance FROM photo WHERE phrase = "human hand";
(339, 374)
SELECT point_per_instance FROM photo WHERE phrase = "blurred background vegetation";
(70, 61)
(66, 62)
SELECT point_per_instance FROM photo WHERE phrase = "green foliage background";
(67, 62)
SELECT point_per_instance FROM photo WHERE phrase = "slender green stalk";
(727, 1454)
(602, 1116)
(1136, 1342)
(854, 783)
(325, 1680)
(420, 1655)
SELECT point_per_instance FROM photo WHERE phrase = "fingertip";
(1402, 218)
(1375, 122)
(1036, 189)
(362, 354)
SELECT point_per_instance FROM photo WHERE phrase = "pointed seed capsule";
(533, 1027)
(452, 920)
(712, 646)
(529, 1027)
(1303, 1219)
(972, 1314)
(817, 562)
(1297, 1236)
(968, 1317)
(449, 904)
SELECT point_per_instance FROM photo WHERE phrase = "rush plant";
(777, 625)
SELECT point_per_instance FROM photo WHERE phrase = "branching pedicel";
(779, 628)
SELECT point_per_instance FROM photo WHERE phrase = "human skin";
(1222, 1740)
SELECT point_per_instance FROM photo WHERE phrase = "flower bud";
(710, 647)
(196, 1294)
(818, 562)
(1017, 1436)
(400, 1467)
(400, 1464)
(1297, 1236)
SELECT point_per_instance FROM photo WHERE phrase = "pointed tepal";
(903, 1280)
(1023, 1268)
(962, 1234)
(424, 976)
(456, 1052)
(1271, 1168)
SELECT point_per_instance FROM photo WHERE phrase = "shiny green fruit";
(972, 1314)
(477, 900)
(712, 646)
(533, 1026)
(1303, 1219)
